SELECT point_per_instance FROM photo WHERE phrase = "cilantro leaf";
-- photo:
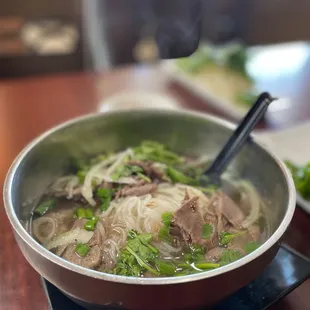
(251, 247)
(207, 231)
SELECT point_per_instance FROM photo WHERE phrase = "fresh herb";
(301, 176)
(229, 256)
(164, 235)
(207, 231)
(138, 256)
(164, 232)
(144, 177)
(226, 237)
(45, 206)
(196, 253)
(82, 249)
(177, 176)
(165, 268)
(90, 225)
(126, 171)
(105, 195)
(155, 151)
(167, 218)
(251, 246)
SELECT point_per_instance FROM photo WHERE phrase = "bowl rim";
(31, 242)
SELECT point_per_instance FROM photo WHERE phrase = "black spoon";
(238, 139)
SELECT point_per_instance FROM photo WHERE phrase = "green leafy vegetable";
(165, 268)
(82, 249)
(126, 171)
(144, 177)
(164, 234)
(45, 206)
(177, 176)
(155, 151)
(90, 225)
(226, 237)
(207, 231)
(251, 247)
(138, 256)
(196, 253)
(229, 256)
(301, 176)
(167, 218)
(105, 195)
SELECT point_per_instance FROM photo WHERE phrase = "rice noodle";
(253, 204)
(72, 236)
(142, 214)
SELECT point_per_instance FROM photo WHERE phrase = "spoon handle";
(241, 134)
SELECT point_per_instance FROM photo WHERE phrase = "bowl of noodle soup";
(111, 208)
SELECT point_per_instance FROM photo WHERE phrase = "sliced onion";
(39, 224)
(254, 203)
(73, 236)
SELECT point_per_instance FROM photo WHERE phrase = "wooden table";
(30, 106)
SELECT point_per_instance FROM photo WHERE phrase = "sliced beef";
(137, 190)
(150, 170)
(96, 239)
(189, 221)
(91, 260)
(220, 203)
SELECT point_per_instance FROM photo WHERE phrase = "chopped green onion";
(226, 237)
(82, 249)
(84, 213)
(90, 225)
(144, 177)
(207, 265)
(207, 231)
(80, 213)
(177, 176)
(167, 218)
(251, 247)
(45, 206)
(105, 195)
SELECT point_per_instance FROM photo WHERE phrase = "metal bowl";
(48, 157)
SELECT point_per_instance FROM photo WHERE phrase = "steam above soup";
(141, 212)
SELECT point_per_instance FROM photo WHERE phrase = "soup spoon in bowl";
(237, 140)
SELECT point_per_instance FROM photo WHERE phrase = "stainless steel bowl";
(48, 156)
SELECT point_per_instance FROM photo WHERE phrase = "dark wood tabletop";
(30, 106)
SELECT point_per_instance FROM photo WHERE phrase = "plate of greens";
(218, 75)
(290, 145)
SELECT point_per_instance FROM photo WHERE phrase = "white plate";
(290, 144)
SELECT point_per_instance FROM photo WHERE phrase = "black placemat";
(287, 271)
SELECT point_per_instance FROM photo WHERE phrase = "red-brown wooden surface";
(30, 106)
